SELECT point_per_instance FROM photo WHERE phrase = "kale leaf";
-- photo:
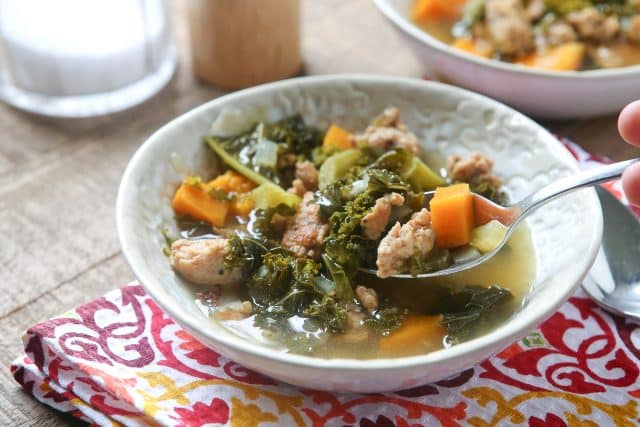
(244, 253)
(299, 138)
(270, 150)
(608, 7)
(285, 285)
(168, 240)
(471, 307)
(261, 224)
(346, 202)
(436, 259)
(386, 318)
(191, 228)
(491, 192)
(329, 312)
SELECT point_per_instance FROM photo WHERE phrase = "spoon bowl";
(510, 216)
(614, 279)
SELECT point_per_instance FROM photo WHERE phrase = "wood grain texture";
(58, 179)
(236, 44)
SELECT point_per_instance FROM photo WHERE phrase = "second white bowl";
(543, 94)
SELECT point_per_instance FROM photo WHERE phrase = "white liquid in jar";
(80, 47)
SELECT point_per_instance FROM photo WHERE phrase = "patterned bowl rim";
(495, 340)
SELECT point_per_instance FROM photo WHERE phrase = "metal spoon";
(485, 210)
(614, 279)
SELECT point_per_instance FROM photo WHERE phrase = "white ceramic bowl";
(544, 94)
(445, 118)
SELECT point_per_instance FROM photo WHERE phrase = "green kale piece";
(563, 7)
(344, 252)
(436, 259)
(329, 312)
(336, 194)
(295, 141)
(471, 307)
(168, 240)
(386, 318)
(491, 192)
(261, 227)
(285, 285)
(347, 200)
(299, 138)
(609, 7)
(244, 253)
(190, 227)
(345, 248)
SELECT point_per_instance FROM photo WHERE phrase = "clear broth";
(513, 268)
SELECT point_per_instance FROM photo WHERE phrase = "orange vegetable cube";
(417, 333)
(473, 47)
(452, 216)
(337, 137)
(565, 57)
(232, 182)
(437, 10)
(242, 205)
(195, 201)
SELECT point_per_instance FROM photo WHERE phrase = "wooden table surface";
(58, 180)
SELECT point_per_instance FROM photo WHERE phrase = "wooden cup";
(241, 43)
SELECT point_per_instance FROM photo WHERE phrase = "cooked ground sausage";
(305, 232)
(297, 187)
(509, 26)
(374, 223)
(390, 117)
(403, 242)
(368, 297)
(235, 311)
(355, 331)
(202, 261)
(306, 179)
(387, 131)
(474, 169)
(594, 25)
(308, 174)
(560, 32)
(535, 9)
(634, 28)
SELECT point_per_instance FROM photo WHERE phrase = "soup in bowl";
(545, 34)
(249, 218)
(543, 75)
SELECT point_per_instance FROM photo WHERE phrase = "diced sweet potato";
(337, 137)
(452, 216)
(417, 333)
(195, 201)
(471, 46)
(437, 10)
(242, 205)
(565, 57)
(232, 182)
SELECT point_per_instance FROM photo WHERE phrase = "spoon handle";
(574, 182)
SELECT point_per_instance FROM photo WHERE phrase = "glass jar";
(80, 58)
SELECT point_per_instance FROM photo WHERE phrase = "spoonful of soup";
(467, 227)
